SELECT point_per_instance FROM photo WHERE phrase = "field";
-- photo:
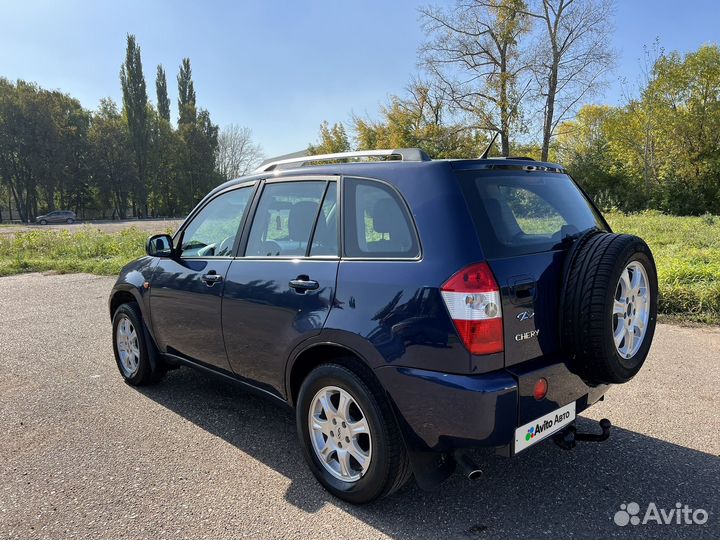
(687, 254)
(686, 249)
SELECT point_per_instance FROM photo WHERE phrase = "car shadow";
(544, 493)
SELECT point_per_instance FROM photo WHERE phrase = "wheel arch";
(120, 297)
(315, 354)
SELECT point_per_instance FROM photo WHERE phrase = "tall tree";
(333, 139)
(237, 153)
(198, 172)
(135, 106)
(186, 94)
(474, 57)
(111, 159)
(163, 101)
(572, 56)
(417, 120)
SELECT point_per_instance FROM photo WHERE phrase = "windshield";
(528, 212)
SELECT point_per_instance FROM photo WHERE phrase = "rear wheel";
(132, 348)
(349, 436)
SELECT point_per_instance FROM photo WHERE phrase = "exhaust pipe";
(468, 467)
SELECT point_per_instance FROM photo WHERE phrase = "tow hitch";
(569, 436)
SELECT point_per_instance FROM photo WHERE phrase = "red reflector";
(472, 298)
(541, 388)
(481, 337)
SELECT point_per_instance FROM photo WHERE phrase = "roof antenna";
(489, 146)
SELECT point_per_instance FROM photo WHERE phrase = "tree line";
(526, 70)
(115, 161)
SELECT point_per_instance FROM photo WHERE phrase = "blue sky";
(278, 67)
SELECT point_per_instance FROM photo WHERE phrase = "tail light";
(472, 297)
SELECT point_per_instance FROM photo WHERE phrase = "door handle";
(211, 278)
(303, 283)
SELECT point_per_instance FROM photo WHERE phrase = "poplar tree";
(186, 95)
(135, 106)
(163, 101)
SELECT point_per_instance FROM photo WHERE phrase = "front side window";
(212, 232)
(377, 223)
(284, 219)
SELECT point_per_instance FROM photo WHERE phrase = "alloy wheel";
(126, 340)
(631, 310)
(340, 434)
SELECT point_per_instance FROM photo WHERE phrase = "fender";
(353, 343)
(132, 280)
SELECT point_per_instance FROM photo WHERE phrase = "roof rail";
(523, 158)
(302, 157)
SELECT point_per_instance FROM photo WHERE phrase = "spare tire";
(608, 306)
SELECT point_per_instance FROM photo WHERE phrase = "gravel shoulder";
(147, 225)
(86, 456)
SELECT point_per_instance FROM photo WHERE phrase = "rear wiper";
(569, 239)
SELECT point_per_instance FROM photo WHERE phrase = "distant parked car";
(58, 216)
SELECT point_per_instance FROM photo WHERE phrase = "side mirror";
(160, 245)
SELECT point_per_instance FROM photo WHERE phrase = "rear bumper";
(440, 412)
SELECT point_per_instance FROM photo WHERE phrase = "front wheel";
(349, 436)
(132, 348)
(43, 222)
(70, 221)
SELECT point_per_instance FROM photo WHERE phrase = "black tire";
(389, 467)
(592, 271)
(43, 222)
(70, 221)
(149, 370)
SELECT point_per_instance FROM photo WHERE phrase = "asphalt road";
(82, 455)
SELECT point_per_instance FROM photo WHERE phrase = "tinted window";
(521, 213)
(377, 223)
(284, 219)
(325, 239)
(212, 232)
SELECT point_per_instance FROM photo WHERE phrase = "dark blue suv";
(408, 309)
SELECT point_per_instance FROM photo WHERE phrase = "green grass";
(87, 250)
(687, 255)
(686, 249)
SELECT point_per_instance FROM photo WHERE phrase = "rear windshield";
(517, 213)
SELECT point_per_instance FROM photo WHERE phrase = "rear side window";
(377, 223)
(528, 212)
(284, 219)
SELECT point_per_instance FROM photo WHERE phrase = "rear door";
(279, 292)
(524, 220)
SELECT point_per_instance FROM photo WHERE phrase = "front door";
(281, 291)
(186, 291)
